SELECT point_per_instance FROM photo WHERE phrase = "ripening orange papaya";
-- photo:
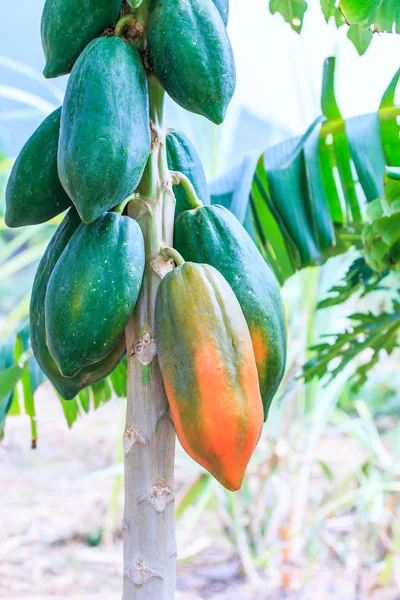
(209, 370)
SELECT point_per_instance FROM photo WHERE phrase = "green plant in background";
(362, 17)
(382, 234)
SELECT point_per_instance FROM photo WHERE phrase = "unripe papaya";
(67, 387)
(105, 128)
(223, 9)
(209, 371)
(34, 192)
(68, 26)
(192, 56)
(182, 156)
(213, 235)
(92, 291)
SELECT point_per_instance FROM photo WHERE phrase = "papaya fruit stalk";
(149, 438)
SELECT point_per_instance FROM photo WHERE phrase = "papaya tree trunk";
(149, 438)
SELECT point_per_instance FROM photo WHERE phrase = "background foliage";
(363, 17)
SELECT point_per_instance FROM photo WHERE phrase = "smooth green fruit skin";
(68, 26)
(223, 9)
(182, 156)
(67, 387)
(105, 127)
(34, 192)
(214, 236)
(92, 291)
(192, 56)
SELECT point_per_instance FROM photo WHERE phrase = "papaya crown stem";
(181, 179)
(168, 252)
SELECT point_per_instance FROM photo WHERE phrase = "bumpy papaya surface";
(209, 371)
(105, 129)
(92, 291)
(67, 387)
(192, 56)
(214, 236)
(67, 28)
(182, 156)
(223, 9)
(34, 192)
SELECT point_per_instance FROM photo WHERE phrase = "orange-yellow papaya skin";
(209, 370)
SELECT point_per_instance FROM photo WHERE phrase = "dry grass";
(50, 507)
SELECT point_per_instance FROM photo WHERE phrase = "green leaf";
(359, 278)
(361, 38)
(5, 406)
(7, 354)
(70, 409)
(291, 10)
(329, 9)
(359, 11)
(119, 378)
(365, 143)
(84, 399)
(329, 106)
(387, 17)
(319, 205)
(275, 248)
(390, 128)
(389, 94)
(301, 194)
(9, 379)
(289, 193)
(337, 143)
(393, 173)
(368, 16)
(21, 345)
(101, 393)
(327, 164)
(368, 331)
(381, 236)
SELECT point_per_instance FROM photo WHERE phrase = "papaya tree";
(153, 269)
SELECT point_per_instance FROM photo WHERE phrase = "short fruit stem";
(174, 254)
(180, 178)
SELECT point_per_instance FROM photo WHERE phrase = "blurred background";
(319, 514)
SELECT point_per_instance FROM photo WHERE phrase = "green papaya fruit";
(213, 235)
(192, 56)
(93, 290)
(68, 26)
(105, 127)
(182, 156)
(67, 387)
(34, 192)
(223, 9)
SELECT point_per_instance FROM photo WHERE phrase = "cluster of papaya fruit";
(220, 327)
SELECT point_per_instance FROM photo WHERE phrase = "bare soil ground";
(51, 508)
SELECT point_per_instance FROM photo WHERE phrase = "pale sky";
(279, 73)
